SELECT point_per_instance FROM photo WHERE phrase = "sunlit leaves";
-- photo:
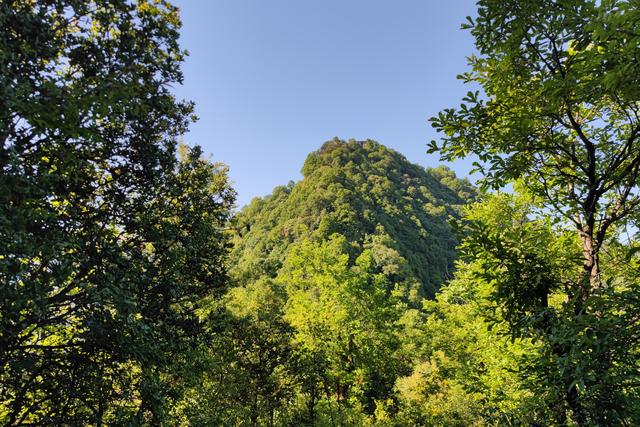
(109, 243)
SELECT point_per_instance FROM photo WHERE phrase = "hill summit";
(375, 198)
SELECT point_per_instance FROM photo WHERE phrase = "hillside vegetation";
(373, 197)
(331, 320)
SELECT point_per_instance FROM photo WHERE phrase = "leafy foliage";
(109, 242)
(526, 267)
(558, 117)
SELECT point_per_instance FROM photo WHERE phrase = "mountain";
(368, 193)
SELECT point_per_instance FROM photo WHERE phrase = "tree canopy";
(557, 115)
(110, 243)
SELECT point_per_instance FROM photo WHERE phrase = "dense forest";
(372, 292)
(370, 195)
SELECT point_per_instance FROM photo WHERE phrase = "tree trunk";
(573, 399)
(311, 405)
(589, 282)
(591, 264)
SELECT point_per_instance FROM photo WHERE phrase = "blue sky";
(272, 80)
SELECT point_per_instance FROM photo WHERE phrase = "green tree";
(345, 315)
(559, 113)
(109, 242)
(465, 363)
(527, 266)
(247, 371)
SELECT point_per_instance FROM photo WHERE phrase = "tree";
(465, 362)
(109, 242)
(249, 375)
(559, 114)
(524, 267)
(560, 111)
(344, 314)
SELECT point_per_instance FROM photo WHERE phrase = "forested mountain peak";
(371, 195)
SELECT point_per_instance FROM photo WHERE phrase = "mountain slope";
(371, 195)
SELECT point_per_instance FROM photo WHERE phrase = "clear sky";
(272, 80)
